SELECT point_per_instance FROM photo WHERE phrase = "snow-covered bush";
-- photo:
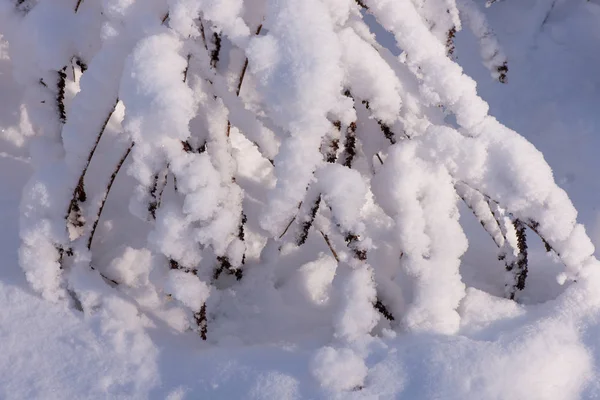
(294, 174)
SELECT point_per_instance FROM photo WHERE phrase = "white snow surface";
(129, 345)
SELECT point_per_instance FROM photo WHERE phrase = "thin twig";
(306, 225)
(241, 80)
(215, 54)
(106, 192)
(326, 238)
(379, 306)
(243, 74)
(533, 225)
(223, 260)
(288, 225)
(203, 34)
(361, 4)
(187, 67)
(60, 95)
(519, 266)
(350, 145)
(79, 191)
(201, 321)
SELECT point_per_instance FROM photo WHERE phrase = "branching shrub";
(366, 157)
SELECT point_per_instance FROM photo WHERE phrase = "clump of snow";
(338, 369)
(187, 288)
(132, 268)
(312, 281)
(356, 294)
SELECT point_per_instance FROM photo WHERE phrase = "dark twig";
(81, 64)
(187, 67)
(60, 95)
(79, 194)
(349, 146)
(106, 192)
(201, 321)
(289, 224)
(450, 41)
(385, 129)
(242, 237)
(306, 225)
(379, 306)
(199, 316)
(203, 35)
(215, 53)
(23, 6)
(490, 2)
(328, 242)
(241, 80)
(519, 266)
(331, 144)
(502, 72)
(224, 265)
(359, 252)
(224, 261)
(156, 192)
(245, 67)
(361, 4)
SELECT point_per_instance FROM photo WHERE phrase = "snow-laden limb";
(222, 110)
(442, 19)
(300, 80)
(91, 110)
(247, 122)
(508, 235)
(370, 77)
(492, 55)
(45, 29)
(159, 107)
(510, 171)
(218, 205)
(420, 196)
(344, 191)
(66, 144)
(494, 151)
(426, 54)
(225, 15)
(481, 209)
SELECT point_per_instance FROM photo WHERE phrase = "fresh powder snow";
(285, 199)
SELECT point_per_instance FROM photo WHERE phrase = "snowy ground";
(504, 351)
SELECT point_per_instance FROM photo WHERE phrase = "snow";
(415, 226)
(187, 288)
(339, 369)
(370, 77)
(300, 105)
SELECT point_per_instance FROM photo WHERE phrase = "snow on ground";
(503, 350)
